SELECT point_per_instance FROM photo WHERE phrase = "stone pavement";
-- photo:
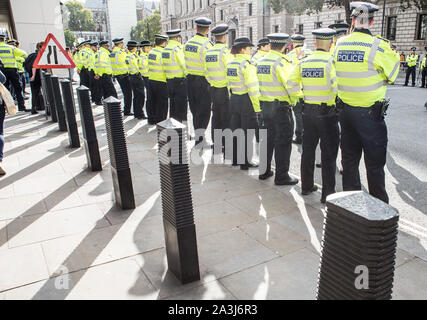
(61, 236)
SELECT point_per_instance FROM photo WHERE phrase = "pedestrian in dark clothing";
(37, 102)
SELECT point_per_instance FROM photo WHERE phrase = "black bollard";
(358, 248)
(50, 97)
(62, 124)
(177, 203)
(70, 113)
(89, 130)
(120, 168)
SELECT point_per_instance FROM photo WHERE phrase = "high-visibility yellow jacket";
(424, 63)
(92, 60)
(298, 54)
(216, 61)
(76, 60)
(173, 60)
(258, 56)
(155, 67)
(242, 79)
(412, 60)
(195, 53)
(9, 55)
(364, 65)
(316, 77)
(118, 59)
(84, 58)
(133, 63)
(143, 64)
(272, 72)
(102, 63)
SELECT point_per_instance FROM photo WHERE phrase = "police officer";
(83, 66)
(198, 87)
(103, 71)
(173, 61)
(217, 59)
(20, 64)
(411, 60)
(243, 84)
(121, 72)
(364, 65)
(157, 88)
(8, 56)
(341, 30)
(264, 48)
(95, 87)
(136, 80)
(316, 77)
(423, 72)
(146, 47)
(276, 105)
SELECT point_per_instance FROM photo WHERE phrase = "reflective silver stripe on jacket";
(364, 88)
(318, 98)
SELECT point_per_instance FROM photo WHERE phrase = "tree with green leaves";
(147, 28)
(80, 18)
(70, 38)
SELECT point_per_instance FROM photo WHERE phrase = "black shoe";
(323, 200)
(297, 141)
(99, 103)
(266, 176)
(307, 192)
(286, 182)
(413, 85)
(26, 98)
(24, 110)
(128, 114)
(246, 167)
(405, 85)
(34, 112)
(318, 165)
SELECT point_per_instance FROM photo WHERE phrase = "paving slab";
(21, 206)
(410, 282)
(209, 291)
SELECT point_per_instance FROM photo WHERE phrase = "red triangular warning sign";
(53, 56)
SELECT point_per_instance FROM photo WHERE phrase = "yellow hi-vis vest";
(118, 59)
(364, 65)
(9, 55)
(77, 61)
(423, 64)
(258, 57)
(216, 61)
(102, 63)
(173, 60)
(133, 63)
(272, 72)
(84, 58)
(242, 79)
(91, 59)
(195, 52)
(412, 60)
(155, 67)
(143, 64)
(316, 76)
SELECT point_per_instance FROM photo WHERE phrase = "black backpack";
(29, 62)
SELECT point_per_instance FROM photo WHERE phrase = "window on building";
(251, 34)
(209, 3)
(339, 21)
(317, 25)
(194, 5)
(276, 28)
(192, 24)
(201, 4)
(250, 9)
(300, 29)
(221, 13)
(421, 27)
(391, 28)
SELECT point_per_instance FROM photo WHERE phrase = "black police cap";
(298, 38)
(278, 37)
(203, 22)
(132, 44)
(413, 49)
(84, 43)
(220, 30)
(324, 33)
(103, 43)
(118, 40)
(11, 42)
(173, 33)
(243, 42)
(145, 43)
(263, 42)
(360, 8)
(94, 43)
(340, 28)
(161, 36)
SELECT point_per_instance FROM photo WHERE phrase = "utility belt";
(272, 106)
(122, 76)
(107, 76)
(319, 110)
(378, 110)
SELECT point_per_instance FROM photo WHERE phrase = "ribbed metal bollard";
(70, 113)
(120, 168)
(62, 124)
(358, 248)
(89, 131)
(50, 97)
(177, 203)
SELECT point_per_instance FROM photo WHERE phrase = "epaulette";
(381, 38)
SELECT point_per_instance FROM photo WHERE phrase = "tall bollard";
(178, 215)
(50, 97)
(62, 124)
(89, 131)
(358, 248)
(70, 113)
(120, 169)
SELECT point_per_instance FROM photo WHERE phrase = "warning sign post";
(53, 56)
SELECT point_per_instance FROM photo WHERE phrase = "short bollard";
(177, 203)
(50, 97)
(358, 248)
(70, 113)
(120, 168)
(62, 124)
(89, 130)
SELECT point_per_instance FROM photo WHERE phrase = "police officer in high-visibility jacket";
(157, 103)
(264, 48)
(20, 64)
(364, 66)
(341, 30)
(146, 47)
(103, 71)
(84, 63)
(198, 87)
(95, 87)
(243, 84)
(9, 56)
(217, 59)
(173, 61)
(121, 72)
(423, 72)
(412, 60)
(276, 105)
(136, 80)
(316, 77)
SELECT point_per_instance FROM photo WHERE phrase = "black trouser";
(299, 127)
(150, 112)
(108, 89)
(243, 117)
(200, 103)
(37, 102)
(23, 83)
(410, 71)
(95, 88)
(177, 89)
(137, 84)
(423, 77)
(324, 128)
(361, 131)
(279, 123)
(158, 101)
(85, 78)
(126, 87)
(220, 113)
(13, 80)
